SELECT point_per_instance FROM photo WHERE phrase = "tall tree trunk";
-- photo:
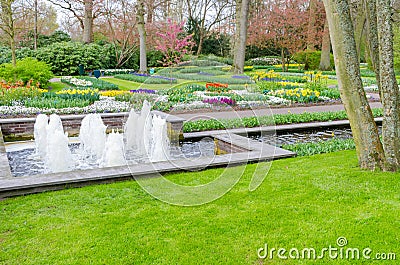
(359, 20)
(88, 22)
(325, 62)
(372, 37)
(311, 26)
(150, 11)
(142, 36)
(240, 45)
(389, 89)
(8, 26)
(200, 46)
(283, 58)
(35, 26)
(365, 132)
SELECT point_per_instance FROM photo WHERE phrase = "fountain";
(52, 144)
(160, 148)
(113, 154)
(40, 134)
(143, 134)
(92, 136)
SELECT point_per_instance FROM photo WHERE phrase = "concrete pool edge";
(256, 152)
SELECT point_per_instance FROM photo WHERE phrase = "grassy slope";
(304, 202)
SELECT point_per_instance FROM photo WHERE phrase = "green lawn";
(304, 202)
(57, 86)
(128, 85)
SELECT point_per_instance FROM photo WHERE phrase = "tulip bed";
(194, 90)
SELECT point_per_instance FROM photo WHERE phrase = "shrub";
(310, 59)
(65, 57)
(26, 70)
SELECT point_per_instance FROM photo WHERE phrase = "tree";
(142, 36)
(240, 35)
(281, 23)
(36, 22)
(7, 25)
(88, 22)
(203, 16)
(370, 151)
(85, 11)
(172, 44)
(325, 62)
(120, 21)
(380, 36)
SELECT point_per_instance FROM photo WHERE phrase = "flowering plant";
(220, 101)
(217, 87)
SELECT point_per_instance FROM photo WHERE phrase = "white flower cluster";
(77, 82)
(192, 106)
(266, 61)
(117, 71)
(277, 101)
(101, 106)
(251, 104)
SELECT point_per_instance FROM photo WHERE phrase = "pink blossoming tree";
(173, 43)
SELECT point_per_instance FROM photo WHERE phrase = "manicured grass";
(304, 202)
(57, 86)
(129, 85)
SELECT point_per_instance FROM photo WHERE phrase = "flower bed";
(85, 81)
(143, 78)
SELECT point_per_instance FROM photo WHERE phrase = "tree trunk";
(240, 45)
(35, 26)
(325, 62)
(311, 26)
(283, 58)
(8, 26)
(359, 20)
(365, 132)
(389, 89)
(142, 37)
(88, 22)
(201, 40)
(150, 11)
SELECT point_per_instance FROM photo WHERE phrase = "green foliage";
(277, 119)
(213, 79)
(89, 95)
(330, 93)
(322, 147)
(146, 79)
(56, 103)
(396, 49)
(26, 70)
(44, 40)
(200, 70)
(182, 94)
(65, 57)
(310, 59)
